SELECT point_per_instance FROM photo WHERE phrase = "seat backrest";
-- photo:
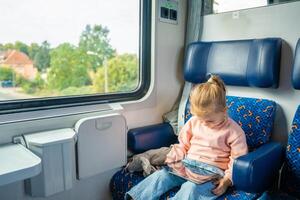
(255, 116)
(291, 182)
(253, 63)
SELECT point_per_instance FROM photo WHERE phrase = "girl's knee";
(162, 172)
(189, 185)
(198, 188)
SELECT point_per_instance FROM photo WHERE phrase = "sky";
(59, 21)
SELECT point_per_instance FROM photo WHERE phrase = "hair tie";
(208, 76)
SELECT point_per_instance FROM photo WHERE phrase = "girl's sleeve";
(238, 148)
(178, 151)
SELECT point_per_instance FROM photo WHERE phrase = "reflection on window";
(220, 6)
(67, 47)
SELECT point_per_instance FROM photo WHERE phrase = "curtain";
(193, 33)
(194, 21)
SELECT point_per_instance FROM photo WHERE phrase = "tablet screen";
(192, 173)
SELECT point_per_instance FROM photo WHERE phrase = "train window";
(64, 52)
(230, 5)
(220, 6)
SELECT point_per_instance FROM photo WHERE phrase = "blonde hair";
(209, 97)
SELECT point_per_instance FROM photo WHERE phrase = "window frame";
(24, 105)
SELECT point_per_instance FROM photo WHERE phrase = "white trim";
(185, 96)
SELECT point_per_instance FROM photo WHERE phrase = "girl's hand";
(221, 186)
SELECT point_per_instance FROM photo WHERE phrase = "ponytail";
(213, 79)
(208, 97)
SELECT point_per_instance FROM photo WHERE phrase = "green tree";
(2, 47)
(122, 74)
(94, 42)
(33, 50)
(31, 86)
(9, 46)
(99, 81)
(6, 73)
(42, 57)
(22, 47)
(68, 69)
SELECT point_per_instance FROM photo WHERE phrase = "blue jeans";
(153, 186)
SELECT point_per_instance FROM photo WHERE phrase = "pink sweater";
(218, 146)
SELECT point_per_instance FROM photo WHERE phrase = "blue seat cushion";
(150, 137)
(255, 116)
(291, 182)
(123, 181)
(278, 195)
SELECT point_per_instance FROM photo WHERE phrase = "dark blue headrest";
(240, 62)
(296, 67)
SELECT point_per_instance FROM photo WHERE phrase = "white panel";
(49, 138)
(101, 144)
(56, 149)
(53, 169)
(17, 163)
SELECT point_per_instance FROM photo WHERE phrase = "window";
(220, 6)
(64, 52)
(231, 5)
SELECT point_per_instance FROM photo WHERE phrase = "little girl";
(209, 140)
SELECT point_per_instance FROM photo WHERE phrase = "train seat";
(254, 172)
(290, 181)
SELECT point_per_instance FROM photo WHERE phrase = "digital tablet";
(183, 169)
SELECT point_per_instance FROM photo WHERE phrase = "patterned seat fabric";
(122, 181)
(291, 182)
(255, 116)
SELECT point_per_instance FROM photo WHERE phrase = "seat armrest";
(256, 171)
(150, 137)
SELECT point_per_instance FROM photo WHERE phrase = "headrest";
(241, 62)
(296, 67)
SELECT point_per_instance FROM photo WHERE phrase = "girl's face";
(212, 120)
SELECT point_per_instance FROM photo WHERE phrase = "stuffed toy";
(149, 161)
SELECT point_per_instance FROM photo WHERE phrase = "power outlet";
(168, 11)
